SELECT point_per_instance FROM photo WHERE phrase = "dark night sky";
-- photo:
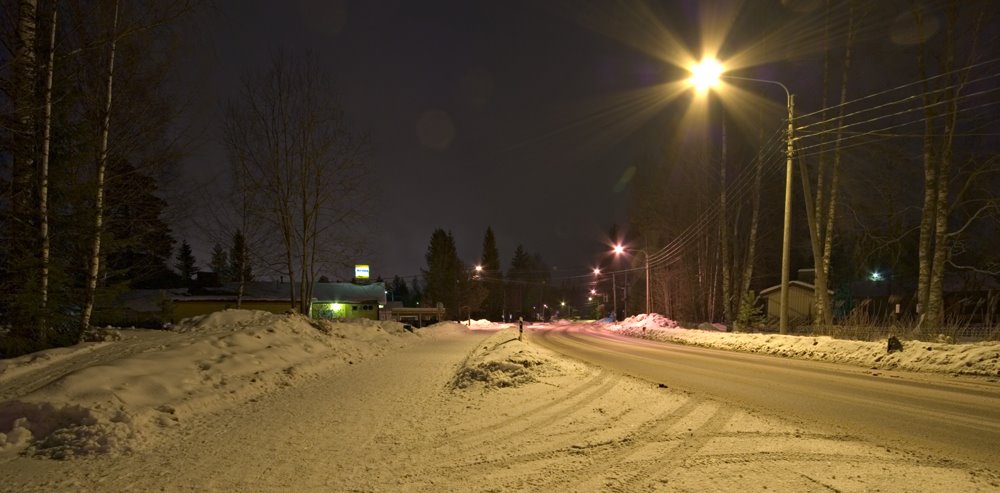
(506, 75)
(514, 81)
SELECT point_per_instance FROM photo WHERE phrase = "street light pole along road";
(706, 75)
(619, 249)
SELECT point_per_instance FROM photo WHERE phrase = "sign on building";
(361, 271)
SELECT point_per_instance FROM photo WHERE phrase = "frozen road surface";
(948, 417)
(476, 410)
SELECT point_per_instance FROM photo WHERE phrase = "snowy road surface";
(261, 403)
(947, 416)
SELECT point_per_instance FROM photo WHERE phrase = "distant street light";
(706, 75)
(614, 291)
(619, 249)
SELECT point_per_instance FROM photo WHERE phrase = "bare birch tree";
(43, 182)
(940, 128)
(102, 165)
(291, 142)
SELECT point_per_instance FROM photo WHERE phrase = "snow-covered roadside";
(122, 395)
(458, 409)
(981, 358)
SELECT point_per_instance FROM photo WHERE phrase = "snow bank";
(981, 358)
(646, 320)
(501, 361)
(205, 364)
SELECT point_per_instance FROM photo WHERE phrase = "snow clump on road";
(501, 361)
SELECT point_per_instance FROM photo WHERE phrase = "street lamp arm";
(788, 94)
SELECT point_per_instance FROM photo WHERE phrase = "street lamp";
(614, 289)
(619, 249)
(706, 75)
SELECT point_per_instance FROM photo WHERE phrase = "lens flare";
(705, 74)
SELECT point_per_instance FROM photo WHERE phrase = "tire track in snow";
(551, 411)
(594, 459)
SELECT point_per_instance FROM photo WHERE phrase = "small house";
(801, 306)
(347, 300)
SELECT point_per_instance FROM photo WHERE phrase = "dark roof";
(345, 291)
(322, 291)
(791, 284)
(148, 300)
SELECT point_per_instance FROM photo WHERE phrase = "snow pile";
(501, 361)
(484, 324)
(981, 358)
(160, 378)
(645, 321)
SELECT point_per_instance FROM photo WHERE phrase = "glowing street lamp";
(619, 249)
(706, 75)
(614, 288)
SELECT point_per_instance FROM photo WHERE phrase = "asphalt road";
(941, 416)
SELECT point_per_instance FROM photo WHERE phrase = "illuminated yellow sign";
(361, 271)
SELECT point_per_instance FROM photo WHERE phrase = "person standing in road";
(520, 328)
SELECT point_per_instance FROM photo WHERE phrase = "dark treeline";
(484, 290)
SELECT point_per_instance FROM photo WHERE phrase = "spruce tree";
(518, 279)
(492, 277)
(240, 269)
(185, 264)
(220, 263)
(399, 290)
(443, 273)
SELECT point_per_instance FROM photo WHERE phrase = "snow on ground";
(981, 358)
(118, 396)
(249, 401)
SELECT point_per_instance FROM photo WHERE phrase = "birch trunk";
(831, 212)
(751, 254)
(43, 185)
(102, 163)
(727, 295)
(942, 245)
(927, 223)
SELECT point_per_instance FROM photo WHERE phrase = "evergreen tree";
(185, 264)
(492, 277)
(239, 259)
(139, 242)
(518, 278)
(399, 290)
(528, 283)
(443, 273)
(220, 263)
(416, 294)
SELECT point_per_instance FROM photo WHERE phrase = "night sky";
(483, 113)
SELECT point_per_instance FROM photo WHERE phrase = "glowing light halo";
(705, 74)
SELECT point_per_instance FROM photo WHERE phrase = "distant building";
(801, 306)
(330, 300)
(348, 300)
